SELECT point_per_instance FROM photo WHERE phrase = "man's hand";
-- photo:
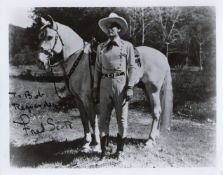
(95, 95)
(129, 93)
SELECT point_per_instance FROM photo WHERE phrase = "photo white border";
(7, 6)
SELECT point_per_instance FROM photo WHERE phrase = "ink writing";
(26, 104)
(50, 125)
(29, 107)
(28, 95)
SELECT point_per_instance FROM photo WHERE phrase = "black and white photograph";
(112, 87)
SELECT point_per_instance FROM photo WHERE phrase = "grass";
(190, 143)
(194, 95)
(187, 145)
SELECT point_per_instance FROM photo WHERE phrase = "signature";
(27, 103)
(50, 125)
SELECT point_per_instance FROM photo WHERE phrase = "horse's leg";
(96, 134)
(85, 121)
(87, 132)
(148, 95)
(154, 96)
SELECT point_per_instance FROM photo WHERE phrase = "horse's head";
(51, 43)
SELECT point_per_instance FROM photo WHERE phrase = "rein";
(65, 75)
(51, 64)
(54, 83)
(75, 64)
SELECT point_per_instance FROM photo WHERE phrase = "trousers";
(112, 95)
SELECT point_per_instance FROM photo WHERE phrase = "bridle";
(51, 52)
(50, 55)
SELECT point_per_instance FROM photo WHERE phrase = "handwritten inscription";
(50, 125)
(27, 104)
(28, 95)
(30, 107)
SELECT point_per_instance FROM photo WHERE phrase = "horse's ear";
(52, 22)
(44, 22)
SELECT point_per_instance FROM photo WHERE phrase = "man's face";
(113, 30)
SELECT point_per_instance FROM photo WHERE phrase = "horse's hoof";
(120, 155)
(86, 149)
(97, 149)
(102, 157)
(150, 144)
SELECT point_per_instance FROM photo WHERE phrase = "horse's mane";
(71, 40)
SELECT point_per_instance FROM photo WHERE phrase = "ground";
(45, 134)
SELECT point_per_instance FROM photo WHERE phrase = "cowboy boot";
(104, 145)
(120, 148)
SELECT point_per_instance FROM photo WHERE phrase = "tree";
(198, 25)
(164, 28)
(167, 18)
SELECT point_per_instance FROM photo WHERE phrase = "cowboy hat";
(105, 23)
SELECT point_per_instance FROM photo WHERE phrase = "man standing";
(114, 78)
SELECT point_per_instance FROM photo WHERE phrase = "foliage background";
(191, 142)
(183, 29)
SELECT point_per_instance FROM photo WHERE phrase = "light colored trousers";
(112, 95)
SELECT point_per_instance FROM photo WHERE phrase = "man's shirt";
(115, 56)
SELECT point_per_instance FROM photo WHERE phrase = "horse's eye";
(49, 38)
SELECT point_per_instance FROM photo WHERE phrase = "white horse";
(61, 46)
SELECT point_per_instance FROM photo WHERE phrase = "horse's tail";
(167, 102)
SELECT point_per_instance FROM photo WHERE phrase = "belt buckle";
(110, 75)
(121, 73)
